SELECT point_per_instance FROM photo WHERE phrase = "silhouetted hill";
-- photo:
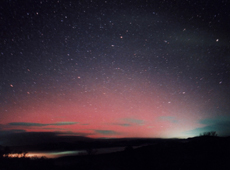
(194, 153)
(85, 143)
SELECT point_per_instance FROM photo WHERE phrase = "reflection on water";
(56, 154)
(39, 154)
(53, 154)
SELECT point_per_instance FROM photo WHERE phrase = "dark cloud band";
(41, 124)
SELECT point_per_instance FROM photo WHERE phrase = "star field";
(115, 68)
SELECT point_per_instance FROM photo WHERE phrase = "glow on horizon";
(143, 111)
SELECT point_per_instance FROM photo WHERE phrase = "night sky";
(114, 68)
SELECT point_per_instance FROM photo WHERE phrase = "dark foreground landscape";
(160, 154)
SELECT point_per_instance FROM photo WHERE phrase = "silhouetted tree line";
(212, 133)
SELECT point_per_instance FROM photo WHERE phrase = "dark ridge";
(161, 154)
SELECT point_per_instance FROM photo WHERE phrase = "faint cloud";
(122, 124)
(11, 131)
(70, 133)
(26, 124)
(21, 137)
(56, 129)
(106, 132)
(41, 124)
(64, 123)
(219, 120)
(134, 121)
(168, 118)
